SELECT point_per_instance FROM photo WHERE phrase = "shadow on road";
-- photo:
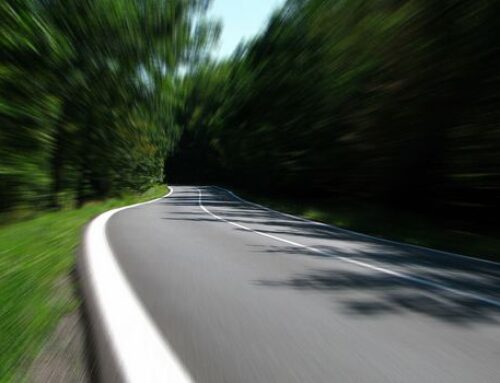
(387, 295)
(360, 293)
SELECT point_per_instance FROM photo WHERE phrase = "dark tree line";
(392, 101)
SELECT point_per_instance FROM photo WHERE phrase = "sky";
(241, 19)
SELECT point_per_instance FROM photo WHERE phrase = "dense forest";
(88, 93)
(391, 101)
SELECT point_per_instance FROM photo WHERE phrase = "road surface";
(245, 294)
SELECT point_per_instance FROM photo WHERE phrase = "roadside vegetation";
(37, 259)
(88, 93)
(411, 227)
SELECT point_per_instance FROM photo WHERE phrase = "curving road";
(245, 294)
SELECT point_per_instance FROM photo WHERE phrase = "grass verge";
(402, 226)
(36, 259)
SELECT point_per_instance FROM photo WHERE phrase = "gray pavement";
(238, 305)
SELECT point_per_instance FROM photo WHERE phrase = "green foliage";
(88, 93)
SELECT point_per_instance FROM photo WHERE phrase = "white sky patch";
(242, 20)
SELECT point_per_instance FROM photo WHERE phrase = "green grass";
(36, 260)
(404, 226)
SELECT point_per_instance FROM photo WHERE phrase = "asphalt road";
(244, 294)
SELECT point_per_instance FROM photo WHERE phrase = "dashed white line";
(409, 278)
(378, 239)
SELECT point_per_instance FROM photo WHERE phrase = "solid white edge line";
(409, 278)
(442, 252)
(142, 352)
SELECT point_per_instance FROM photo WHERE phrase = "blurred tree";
(29, 47)
(89, 92)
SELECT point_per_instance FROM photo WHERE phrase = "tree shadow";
(362, 294)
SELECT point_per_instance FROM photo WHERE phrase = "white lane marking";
(447, 253)
(409, 278)
(143, 355)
